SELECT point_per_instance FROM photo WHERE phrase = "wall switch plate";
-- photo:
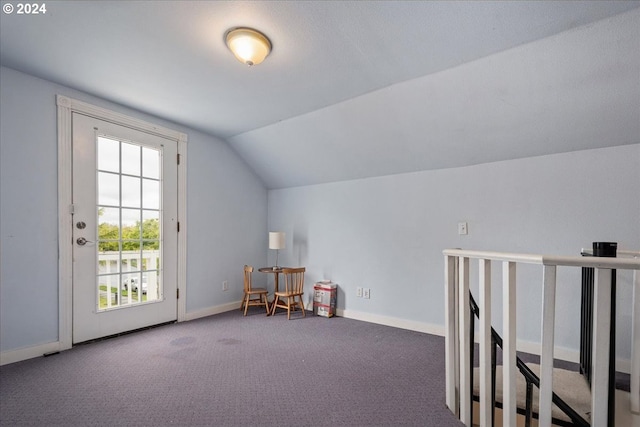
(366, 292)
(225, 286)
(462, 228)
(359, 292)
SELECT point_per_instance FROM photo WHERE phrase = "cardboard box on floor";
(324, 298)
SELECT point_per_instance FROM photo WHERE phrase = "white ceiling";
(355, 89)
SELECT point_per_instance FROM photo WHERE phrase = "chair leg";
(302, 305)
(266, 303)
(242, 303)
(246, 304)
(288, 308)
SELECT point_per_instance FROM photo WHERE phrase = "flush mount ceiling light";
(248, 45)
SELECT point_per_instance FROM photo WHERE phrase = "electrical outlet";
(462, 228)
(225, 286)
(359, 292)
(366, 293)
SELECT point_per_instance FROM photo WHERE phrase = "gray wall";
(226, 208)
(388, 233)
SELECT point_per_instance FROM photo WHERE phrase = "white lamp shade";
(276, 240)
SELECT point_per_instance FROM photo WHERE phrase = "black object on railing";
(530, 377)
(600, 249)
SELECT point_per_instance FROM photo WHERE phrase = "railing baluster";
(451, 336)
(486, 405)
(464, 316)
(546, 354)
(635, 348)
(600, 359)
(456, 346)
(509, 344)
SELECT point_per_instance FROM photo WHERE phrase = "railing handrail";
(623, 263)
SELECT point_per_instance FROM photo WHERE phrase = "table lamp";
(276, 241)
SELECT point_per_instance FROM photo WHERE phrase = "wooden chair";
(250, 292)
(294, 283)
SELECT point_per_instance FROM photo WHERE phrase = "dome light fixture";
(249, 46)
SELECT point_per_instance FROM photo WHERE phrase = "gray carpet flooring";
(230, 370)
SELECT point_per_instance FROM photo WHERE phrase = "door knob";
(82, 241)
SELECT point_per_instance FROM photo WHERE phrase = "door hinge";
(72, 209)
(178, 226)
(178, 157)
(177, 293)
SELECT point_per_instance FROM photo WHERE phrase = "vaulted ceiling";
(355, 89)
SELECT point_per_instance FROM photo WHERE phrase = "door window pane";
(131, 223)
(130, 192)
(108, 291)
(108, 229)
(150, 163)
(151, 225)
(132, 248)
(108, 189)
(108, 154)
(132, 291)
(109, 261)
(130, 159)
(151, 285)
(150, 194)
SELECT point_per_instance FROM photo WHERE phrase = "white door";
(124, 229)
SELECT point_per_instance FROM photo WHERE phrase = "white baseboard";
(392, 321)
(12, 356)
(210, 311)
(561, 353)
(622, 365)
(569, 355)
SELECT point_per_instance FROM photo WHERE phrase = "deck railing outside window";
(128, 277)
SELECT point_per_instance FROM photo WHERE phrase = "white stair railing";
(458, 323)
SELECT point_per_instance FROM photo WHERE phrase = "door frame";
(66, 106)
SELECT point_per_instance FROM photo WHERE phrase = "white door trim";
(66, 106)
